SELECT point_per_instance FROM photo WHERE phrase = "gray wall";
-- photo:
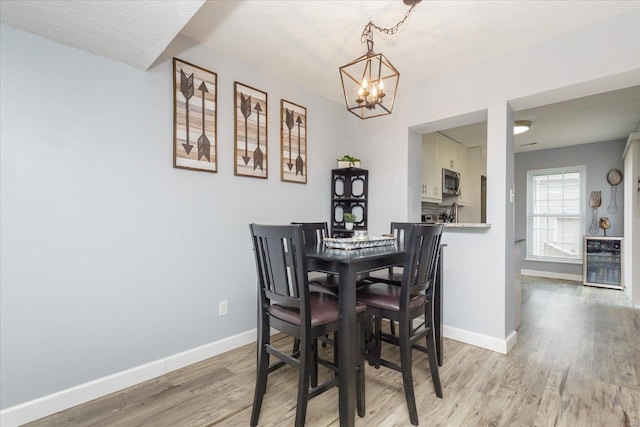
(599, 159)
(111, 258)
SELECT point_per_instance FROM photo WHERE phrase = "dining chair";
(399, 230)
(411, 300)
(286, 304)
(393, 276)
(313, 234)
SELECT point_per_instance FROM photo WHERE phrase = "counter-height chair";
(285, 304)
(399, 230)
(313, 233)
(412, 299)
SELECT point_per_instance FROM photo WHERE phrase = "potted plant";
(348, 218)
(348, 161)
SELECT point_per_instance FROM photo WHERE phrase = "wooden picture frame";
(293, 142)
(195, 121)
(251, 145)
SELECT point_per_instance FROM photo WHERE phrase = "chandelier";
(370, 82)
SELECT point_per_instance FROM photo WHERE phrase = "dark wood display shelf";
(349, 193)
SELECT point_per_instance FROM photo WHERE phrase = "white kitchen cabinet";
(462, 157)
(448, 152)
(440, 153)
(431, 190)
(453, 156)
(461, 164)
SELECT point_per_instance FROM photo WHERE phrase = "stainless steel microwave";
(450, 183)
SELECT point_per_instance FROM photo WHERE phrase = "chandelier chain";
(367, 33)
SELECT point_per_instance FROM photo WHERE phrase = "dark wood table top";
(376, 257)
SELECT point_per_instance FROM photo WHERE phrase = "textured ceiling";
(132, 32)
(306, 41)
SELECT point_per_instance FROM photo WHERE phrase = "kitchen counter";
(465, 225)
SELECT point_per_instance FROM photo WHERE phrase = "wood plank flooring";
(576, 363)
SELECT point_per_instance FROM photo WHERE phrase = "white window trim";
(582, 169)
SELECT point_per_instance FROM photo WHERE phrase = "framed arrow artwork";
(251, 131)
(293, 142)
(195, 95)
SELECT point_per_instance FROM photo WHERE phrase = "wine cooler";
(602, 265)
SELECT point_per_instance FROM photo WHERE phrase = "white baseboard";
(56, 402)
(479, 340)
(552, 275)
(512, 340)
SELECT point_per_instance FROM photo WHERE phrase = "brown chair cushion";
(386, 297)
(324, 309)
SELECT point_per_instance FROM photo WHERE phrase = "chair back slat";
(400, 230)
(280, 265)
(313, 232)
(421, 260)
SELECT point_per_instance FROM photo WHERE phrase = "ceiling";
(604, 117)
(305, 42)
(132, 32)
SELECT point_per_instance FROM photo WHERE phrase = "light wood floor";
(576, 363)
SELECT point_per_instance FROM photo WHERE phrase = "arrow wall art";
(293, 142)
(250, 131)
(195, 95)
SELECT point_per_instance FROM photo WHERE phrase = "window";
(555, 217)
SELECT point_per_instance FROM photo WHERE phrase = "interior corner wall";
(506, 133)
(110, 258)
(414, 175)
(631, 245)
(599, 158)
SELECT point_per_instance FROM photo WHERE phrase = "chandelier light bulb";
(374, 92)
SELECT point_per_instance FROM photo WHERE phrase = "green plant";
(348, 217)
(348, 158)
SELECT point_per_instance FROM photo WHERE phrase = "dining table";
(347, 265)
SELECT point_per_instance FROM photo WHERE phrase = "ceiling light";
(521, 126)
(370, 82)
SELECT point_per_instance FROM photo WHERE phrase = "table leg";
(348, 337)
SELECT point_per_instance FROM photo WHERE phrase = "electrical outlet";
(222, 308)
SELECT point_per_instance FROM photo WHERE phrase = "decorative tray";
(349, 243)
